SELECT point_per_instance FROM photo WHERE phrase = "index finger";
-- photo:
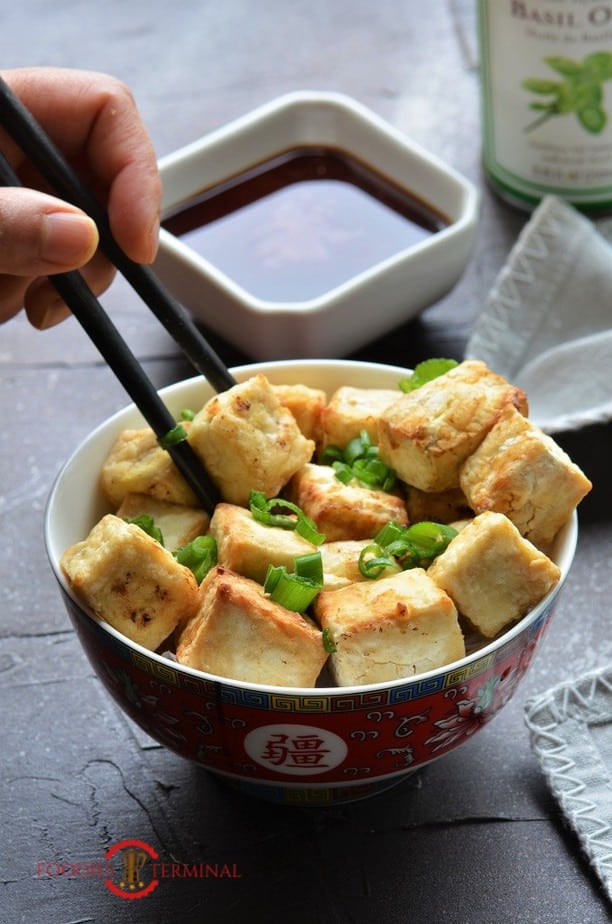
(94, 120)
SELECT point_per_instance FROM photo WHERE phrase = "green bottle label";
(546, 78)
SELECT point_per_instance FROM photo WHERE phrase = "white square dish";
(383, 275)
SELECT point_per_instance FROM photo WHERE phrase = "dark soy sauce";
(300, 224)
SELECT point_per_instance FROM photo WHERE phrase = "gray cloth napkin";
(547, 323)
(571, 734)
(547, 326)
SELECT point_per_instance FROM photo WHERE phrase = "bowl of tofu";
(374, 582)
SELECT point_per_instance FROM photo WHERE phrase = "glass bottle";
(546, 79)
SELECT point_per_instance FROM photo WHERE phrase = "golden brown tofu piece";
(438, 507)
(492, 573)
(137, 464)
(342, 511)
(427, 434)
(248, 441)
(305, 404)
(248, 547)
(520, 471)
(128, 579)
(351, 410)
(239, 633)
(179, 524)
(390, 628)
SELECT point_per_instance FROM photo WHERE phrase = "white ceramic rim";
(565, 542)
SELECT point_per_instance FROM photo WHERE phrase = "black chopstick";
(103, 333)
(21, 125)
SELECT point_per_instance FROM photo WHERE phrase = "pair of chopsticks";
(21, 126)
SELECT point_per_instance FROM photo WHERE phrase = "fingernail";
(44, 307)
(52, 316)
(154, 239)
(69, 238)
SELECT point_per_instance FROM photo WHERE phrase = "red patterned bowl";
(299, 746)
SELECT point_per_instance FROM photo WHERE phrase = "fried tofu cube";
(239, 633)
(351, 410)
(522, 472)
(306, 405)
(128, 579)
(248, 547)
(248, 441)
(492, 573)
(390, 628)
(179, 524)
(427, 434)
(137, 464)
(439, 506)
(341, 511)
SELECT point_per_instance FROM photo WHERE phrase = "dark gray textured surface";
(473, 839)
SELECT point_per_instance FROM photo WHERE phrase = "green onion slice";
(430, 539)
(359, 459)
(187, 414)
(344, 472)
(357, 447)
(389, 533)
(310, 567)
(199, 555)
(425, 372)
(146, 522)
(331, 454)
(262, 510)
(374, 473)
(406, 547)
(176, 435)
(295, 590)
(328, 642)
(373, 561)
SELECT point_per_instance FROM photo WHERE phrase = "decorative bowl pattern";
(301, 746)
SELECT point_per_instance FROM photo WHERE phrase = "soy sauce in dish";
(296, 226)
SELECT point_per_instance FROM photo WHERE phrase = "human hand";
(93, 119)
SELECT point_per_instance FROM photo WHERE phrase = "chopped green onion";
(310, 567)
(146, 522)
(405, 553)
(261, 510)
(187, 414)
(328, 642)
(172, 437)
(389, 533)
(199, 555)
(373, 561)
(425, 372)
(430, 539)
(359, 459)
(406, 547)
(331, 454)
(357, 447)
(344, 472)
(295, 590)
(307, 529)
(374, 473)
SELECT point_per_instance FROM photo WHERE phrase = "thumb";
(41, 235)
